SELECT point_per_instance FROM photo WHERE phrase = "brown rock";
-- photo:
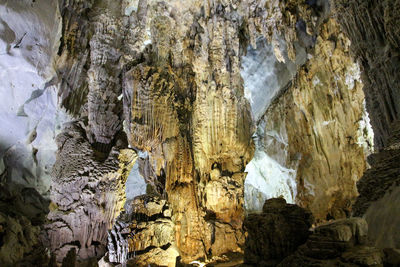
(276, 232)
(371, 27)
(338, 243)
(315, 127)
(143, 236)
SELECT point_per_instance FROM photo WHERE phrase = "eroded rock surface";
(23, 212)
(144, 235)
(379, 193)
(374, 32)
(282, 236)
(314, 137)
(276, 232)
(341, 243)
(88, 193)
(184, 104)
(184, 99)
(30, 119)
(168, 73)
(88, 189)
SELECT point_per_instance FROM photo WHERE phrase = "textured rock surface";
(30, 119)
(379, 193)
(372, 27)
(90, 83)
(176, 114)
(374, 32)
(23, 211)
(315, 134)
(29, 114)
(186, 106)
(276, 232)
(169, 74)
(88, 189)
(184, 103)
(339, 243)
(88, 193)
(144, 235)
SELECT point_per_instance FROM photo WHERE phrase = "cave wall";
(372, 27)
(185, 102)
(30, 119)
(93, 159)
(29, 112)
(167, 78)
(88, 193)
(187, 109)
(313, 139)
(177, 71)
(316, 130)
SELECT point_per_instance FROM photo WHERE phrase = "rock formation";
(176, 99)
(276, 232)
(20, 224)
(379, 193)
(341, 243)
(374, 32)
(144, 235)
(203, 92)
(30, 119)
(314, 137)
(93, 162)
(285, 240)
(372, 28)
(88, 193)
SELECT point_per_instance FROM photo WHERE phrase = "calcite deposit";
(313, 138)
(87, 193)
(210, 108)
(312, 128)
(144, 234)
(374, 32)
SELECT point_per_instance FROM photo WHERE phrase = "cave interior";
(199, 133)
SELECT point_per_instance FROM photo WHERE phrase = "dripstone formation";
(87, 193)
(374, 32)
(144, 234)
(182, 86)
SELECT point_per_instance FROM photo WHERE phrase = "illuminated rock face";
(172, 79)
(186, 107)
(146, 226)
(373, 29)
(185, 118)
(29, 113)
(316, 122)
(88, 193)
(93, 162)
(30, 119)
(313, 139)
